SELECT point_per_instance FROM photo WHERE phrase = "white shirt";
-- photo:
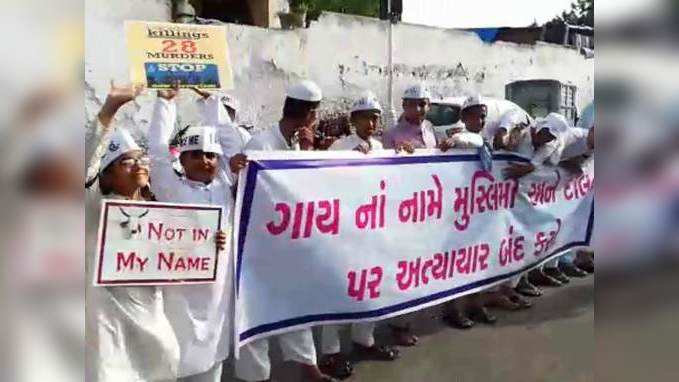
(233, 138)
(549, 154)
(466, 140)
(351, 141)
(507, 122)
(199, 314)
(575, 143)
(270, 139)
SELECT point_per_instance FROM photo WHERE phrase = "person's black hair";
(358, 113)
(296, 108)
(468, 109)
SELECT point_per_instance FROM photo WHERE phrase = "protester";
(496, 137)
(464, 312)
(365, 117)
(578, 150)
(199, 314)
(129, 336)
(507, 133)
(412, 131)
(295, 131)
(366, 114)
(547, 146)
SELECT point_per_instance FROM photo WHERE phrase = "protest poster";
(148, 243)
(340, 237)
(194, 55)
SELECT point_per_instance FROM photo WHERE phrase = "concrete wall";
(344, 54)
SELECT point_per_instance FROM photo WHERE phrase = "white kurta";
(199, 314)
(549, 154)
(575, 143)
(507, 121)
(298, 346)
(466, 140)
(352, 141)
(128, 335)
(233, 138)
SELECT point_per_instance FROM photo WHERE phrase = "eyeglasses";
(198, 154)
(130, 162)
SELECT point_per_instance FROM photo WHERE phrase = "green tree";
(581, 13)
(370, 8)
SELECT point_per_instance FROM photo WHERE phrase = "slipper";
(458, 320)
(403, 336)
(336, 366)
(377, 353)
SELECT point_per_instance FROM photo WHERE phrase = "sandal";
(336, 366)
(458, 320)
(521, 302)
(377, 353)
(585, 265)
(483, 315)
(504, 302)
(557, 274)
(403, 336)
(538, 277)
(527, 289)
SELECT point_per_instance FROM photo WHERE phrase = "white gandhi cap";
(367, 101)
(121, 143)
(555, 123)
(204, 138)
(418, 91)
(473, 100)
(305, 91)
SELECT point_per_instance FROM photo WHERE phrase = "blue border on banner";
(286, 164)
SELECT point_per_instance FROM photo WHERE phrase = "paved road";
(553, 341)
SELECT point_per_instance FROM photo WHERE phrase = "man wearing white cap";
(546, 148)
(199, 314)
(412, 131)
(473, 115)
(546, 145)
(365, 118)
(578, 150)
(507, 134)
(295, 131)
(464, 312)
(123, 324)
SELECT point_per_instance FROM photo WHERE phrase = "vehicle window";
(441, 115)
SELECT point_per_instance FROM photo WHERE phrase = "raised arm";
(211, 109)
(103, 125)
(162, 124)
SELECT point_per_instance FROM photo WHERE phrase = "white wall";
(344, 54)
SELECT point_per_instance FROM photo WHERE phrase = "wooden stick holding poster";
(148, 243)
(194, 55)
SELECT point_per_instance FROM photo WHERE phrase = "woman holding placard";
(128, 334)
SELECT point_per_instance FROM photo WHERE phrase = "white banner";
(338, 237)
(147, 243)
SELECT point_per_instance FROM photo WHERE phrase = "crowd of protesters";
(164, 333)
